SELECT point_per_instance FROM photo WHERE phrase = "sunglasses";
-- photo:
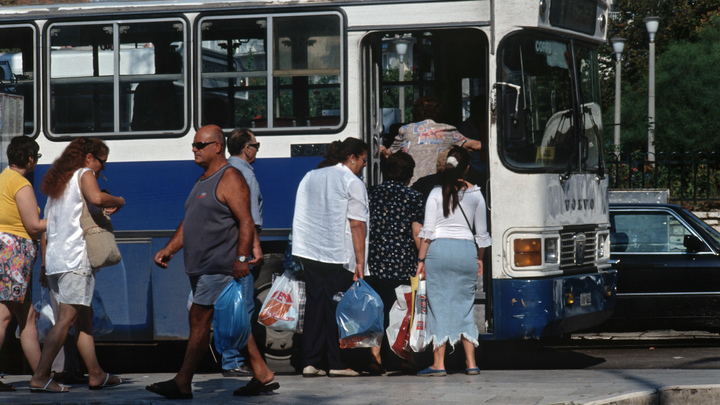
(38, 156)
(102, 162)
(201, 145)
(255, 145)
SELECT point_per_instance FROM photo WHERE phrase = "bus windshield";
(539, 107)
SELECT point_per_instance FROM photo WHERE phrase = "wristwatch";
(242, 259)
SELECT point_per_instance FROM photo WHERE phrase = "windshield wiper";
(568, 169)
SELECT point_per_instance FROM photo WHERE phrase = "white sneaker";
(344, 373)
(311, 371)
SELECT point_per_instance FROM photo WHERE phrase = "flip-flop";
(46, 389)
(6, 387)
(255, 387)
(105, 384)
(168, 389)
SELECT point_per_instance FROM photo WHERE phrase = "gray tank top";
(210, 232)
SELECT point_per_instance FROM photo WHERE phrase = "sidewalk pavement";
(652, 335)
(518, 387)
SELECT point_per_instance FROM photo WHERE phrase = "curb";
(670, 395)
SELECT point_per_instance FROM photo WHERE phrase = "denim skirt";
(451, 270)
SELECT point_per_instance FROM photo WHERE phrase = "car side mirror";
(694, 244)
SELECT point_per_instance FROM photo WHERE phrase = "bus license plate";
(585, 299)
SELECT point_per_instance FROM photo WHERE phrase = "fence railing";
(692, 178)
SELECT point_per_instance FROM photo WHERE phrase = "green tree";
(324, 98)
(686, 93)
(390, 93)
(681, 22)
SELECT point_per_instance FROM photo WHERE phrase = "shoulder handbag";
(98, 232)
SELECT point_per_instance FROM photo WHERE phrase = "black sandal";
(375, 368)
(255, 387)
(169, 389)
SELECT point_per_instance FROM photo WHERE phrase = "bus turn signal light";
(608, 292)
(528, 252)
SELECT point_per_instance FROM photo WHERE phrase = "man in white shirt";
(243, 147)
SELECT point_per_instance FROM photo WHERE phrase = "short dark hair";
(238, 139)
(427, 108)
(399, 167)
(21, 149)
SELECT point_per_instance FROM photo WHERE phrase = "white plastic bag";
(282, 307)
(44, 317)
(398, 330)
(418, 333)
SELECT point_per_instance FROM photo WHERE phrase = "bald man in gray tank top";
(216, 237)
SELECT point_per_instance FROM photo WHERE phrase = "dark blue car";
(668, 269)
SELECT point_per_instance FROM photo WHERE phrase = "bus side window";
(18, 71)
(84, 66)
(157, 104)
(304, 71)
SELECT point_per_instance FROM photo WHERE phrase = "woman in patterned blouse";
(396, 215)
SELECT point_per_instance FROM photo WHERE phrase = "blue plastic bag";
(231, 321)
(102, 325)
(360, 317)
(291, 262)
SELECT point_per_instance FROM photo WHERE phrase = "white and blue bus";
(144, 76)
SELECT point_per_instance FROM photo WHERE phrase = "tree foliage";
(684, 83)
(687, 98)
(391, 93)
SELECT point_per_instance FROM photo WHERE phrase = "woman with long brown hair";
(454, 237)
(70, 183)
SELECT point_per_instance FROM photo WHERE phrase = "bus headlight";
(603, 246)
(528, 252)
(551, 251)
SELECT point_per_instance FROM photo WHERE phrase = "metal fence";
(692, 178)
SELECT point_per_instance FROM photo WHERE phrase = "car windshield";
(538, 108)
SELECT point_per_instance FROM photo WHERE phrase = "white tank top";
(66, 250)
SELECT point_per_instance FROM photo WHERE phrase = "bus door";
(399, 67)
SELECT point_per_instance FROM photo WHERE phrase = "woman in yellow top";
(20, 224)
